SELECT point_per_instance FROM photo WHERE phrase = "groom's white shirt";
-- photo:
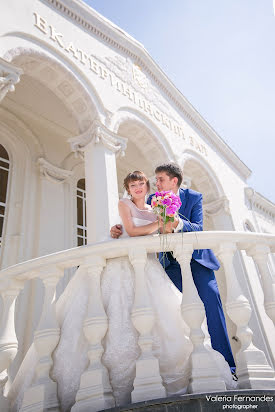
(180, 224)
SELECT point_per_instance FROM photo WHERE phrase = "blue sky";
(221, 55)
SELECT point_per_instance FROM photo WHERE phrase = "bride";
(121, 350)
(170, 343)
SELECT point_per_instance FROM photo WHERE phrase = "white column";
(51, 211)
(9, 76)
(148, 382)
(205, 374)
(94, 392)
(42, 394)
(253, 369)
(100, 147)
(260, 255)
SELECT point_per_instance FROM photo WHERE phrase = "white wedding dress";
(170, 343)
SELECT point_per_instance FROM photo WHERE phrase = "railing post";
(4, 402)
(259, 253)
(205, 374)
(148, 382)
(95, 392)
(8, 339)
(42, 394)
(253, 369)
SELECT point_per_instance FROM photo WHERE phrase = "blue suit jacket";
(191, 214)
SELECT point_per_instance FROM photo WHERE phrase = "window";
(248, 226)
(81, 213)
(4, 174)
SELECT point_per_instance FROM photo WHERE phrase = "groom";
(203, 262)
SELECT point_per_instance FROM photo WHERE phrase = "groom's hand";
(169, 227)
(116, 231)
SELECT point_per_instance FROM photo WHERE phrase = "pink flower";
(167, 201)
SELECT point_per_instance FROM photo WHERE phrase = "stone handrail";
(94, 390)
(120, 247)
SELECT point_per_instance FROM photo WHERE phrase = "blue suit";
(203, 264)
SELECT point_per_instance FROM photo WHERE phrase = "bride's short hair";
(134, 176)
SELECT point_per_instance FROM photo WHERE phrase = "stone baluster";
(205, 374)
(4, 402)
(95, 392)
(43, 392)
(8, 339)
(260, 253)
(148, 382)
(253, 369)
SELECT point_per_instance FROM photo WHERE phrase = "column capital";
(217, 206)
(9, 76)
(98, 133)
(51, 172)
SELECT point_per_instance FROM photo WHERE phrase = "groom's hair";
(172, 170)
(133, 177)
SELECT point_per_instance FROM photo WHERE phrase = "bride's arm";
(131, 229)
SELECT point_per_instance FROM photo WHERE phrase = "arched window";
(81, 213)
(4, 174)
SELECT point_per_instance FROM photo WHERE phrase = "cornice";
(260, 202)
(217, 206)
(93, 22)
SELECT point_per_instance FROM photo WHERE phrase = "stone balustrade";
(95, 392)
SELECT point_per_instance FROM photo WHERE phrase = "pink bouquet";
(166, 204)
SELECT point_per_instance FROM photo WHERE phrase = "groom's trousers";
(206, 284)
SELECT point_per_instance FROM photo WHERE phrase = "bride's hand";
(168, 227)
(116, 231)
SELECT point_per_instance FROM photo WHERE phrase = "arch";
(75, 87)
(208, 176)
(23, 149)
(147, 147)
(128, 115)
(11, 124)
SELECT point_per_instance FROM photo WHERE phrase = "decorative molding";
(260, 204)
(132, 75)
(59, 78)
(93, 22)
(217, 206)
(98, 133)
(184, 158)
(9, 76)
(53, 173)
